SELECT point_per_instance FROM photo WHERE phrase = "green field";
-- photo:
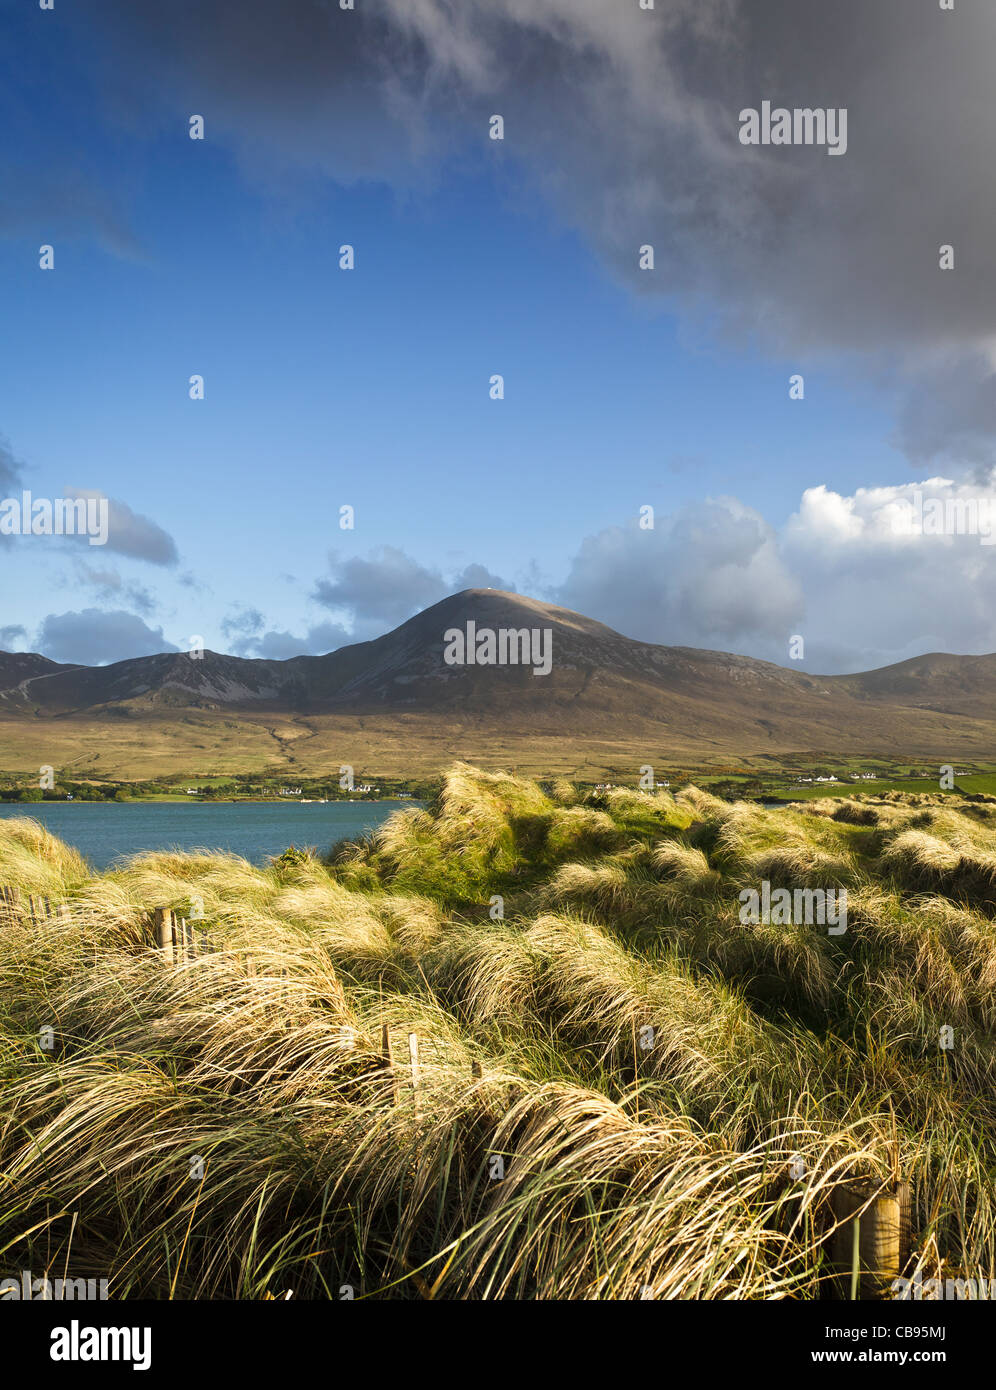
(781, 781)
(980, 783)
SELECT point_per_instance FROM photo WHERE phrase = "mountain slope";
(603, 689)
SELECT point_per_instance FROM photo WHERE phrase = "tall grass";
(624, 1090)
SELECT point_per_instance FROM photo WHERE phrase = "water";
(105, 831)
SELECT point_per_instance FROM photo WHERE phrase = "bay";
(107, 831)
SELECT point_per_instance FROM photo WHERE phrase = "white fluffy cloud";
(849, 574)
(708, 576)
(876, 592)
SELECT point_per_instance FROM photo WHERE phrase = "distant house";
(290, 791)
(193, 791)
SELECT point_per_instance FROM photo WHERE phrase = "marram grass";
(623, 1091)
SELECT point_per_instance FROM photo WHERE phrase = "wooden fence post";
(416, 1073)
(387, 1053)
(867, 1244)
(163, 927)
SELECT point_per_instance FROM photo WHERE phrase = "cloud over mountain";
(96, 637)
(387, 586)
(841, 573)
(707, 576)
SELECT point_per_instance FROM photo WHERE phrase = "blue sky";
(370, 387)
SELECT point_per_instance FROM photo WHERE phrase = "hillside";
(395, 706)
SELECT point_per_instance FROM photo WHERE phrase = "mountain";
(18, 667)
(606, 695)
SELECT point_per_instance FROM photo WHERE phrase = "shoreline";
(218, 801)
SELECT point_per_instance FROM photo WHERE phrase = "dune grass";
(624, 1091)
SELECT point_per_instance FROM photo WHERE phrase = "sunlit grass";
(623, 1090)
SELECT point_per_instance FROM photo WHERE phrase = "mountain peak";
(598, 689)
(502, 608)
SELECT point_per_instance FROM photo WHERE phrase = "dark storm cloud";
(628, 122)
(954, 415)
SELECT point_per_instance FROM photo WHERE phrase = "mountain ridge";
(415, 648)
(604, 691)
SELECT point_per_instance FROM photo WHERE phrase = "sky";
(625, 388)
